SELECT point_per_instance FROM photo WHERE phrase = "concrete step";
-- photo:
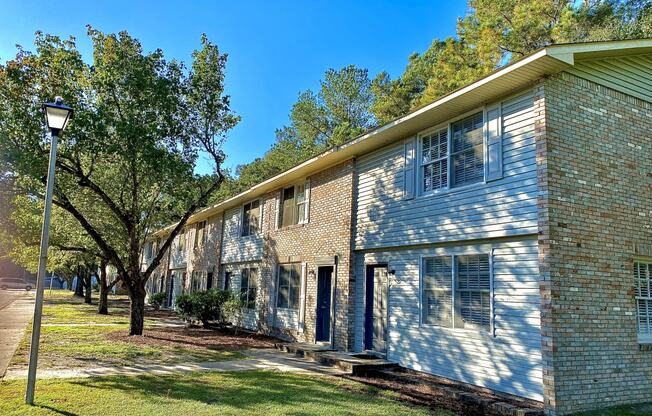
(357, 364)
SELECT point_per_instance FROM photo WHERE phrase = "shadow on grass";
(247, 391)
(57, 411)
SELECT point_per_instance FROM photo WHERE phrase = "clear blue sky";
(276, 49)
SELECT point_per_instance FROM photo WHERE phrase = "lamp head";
(57, 115)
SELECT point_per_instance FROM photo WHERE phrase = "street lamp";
(57, 116)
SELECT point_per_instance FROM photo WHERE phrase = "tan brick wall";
(328, 233)
(595, 169)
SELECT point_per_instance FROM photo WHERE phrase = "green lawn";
(239, 393)
(73, 334)
(635, 410)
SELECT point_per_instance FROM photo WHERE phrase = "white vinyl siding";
(643, 277)
(505, 206)
(508, 359)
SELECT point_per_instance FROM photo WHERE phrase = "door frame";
(367, 327)
(331, 296)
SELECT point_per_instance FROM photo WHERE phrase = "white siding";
(236, 248)
(504, 207)
(509, 362)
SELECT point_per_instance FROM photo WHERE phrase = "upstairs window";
(200, 234)
(249, 287)
(181, 245)
(289, 285)
(294, 205)
(456, 292)
(251, 218)
(149, 250)
(453, 156)
(643, 277)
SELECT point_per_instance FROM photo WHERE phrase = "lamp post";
(57, 116)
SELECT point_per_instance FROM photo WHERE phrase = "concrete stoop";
(354, 364)
(416, 387)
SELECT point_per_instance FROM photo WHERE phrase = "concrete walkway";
(263, 359)
(16, 311)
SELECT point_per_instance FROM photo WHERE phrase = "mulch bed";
(189, 337)
(437, 392)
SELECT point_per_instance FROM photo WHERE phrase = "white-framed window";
(456, 291)
(181, 245)
(452, 156)
(197, 279)
(251, 218)
(289, 286)
(149, 250)
(643, 277)
(249, 287)
(293, 207)
(200, 234)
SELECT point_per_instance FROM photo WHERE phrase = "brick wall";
(594, 153)
(328, 233)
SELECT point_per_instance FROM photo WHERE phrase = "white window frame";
(255, 300)
(644, 337)
(200, 242)
(260, 218)
(447, 125)
(488, 332)
(278, 286)
(181, 242)
(306, 213)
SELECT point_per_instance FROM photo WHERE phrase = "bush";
(233, 312)
(157, 299)
(203, 306)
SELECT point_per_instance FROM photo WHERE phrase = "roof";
(505, 80)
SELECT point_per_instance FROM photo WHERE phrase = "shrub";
(233, 312)
(203, 306)
(157, 299)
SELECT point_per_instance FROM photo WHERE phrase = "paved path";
(263, 359)
(16, 309)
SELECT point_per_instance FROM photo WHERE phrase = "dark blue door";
(324, 280)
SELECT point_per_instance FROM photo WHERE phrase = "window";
(250, 218)
(196, 281)
(248, 287)
(181, 245)
(149, 250)
(294, 205)
(457, 291)
(227, 280)
(289, 283)
(643, 277)
(453, 156)
(200, 234)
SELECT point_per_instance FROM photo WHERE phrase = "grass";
(73, 334)
(632, 410)
(238, 393)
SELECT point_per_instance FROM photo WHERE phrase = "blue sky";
(276, 49)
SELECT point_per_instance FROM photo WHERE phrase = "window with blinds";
(294, 205)
(249, 287)
(434, 160)
(643, 277)
(453, 156)
(438, 291)
(251, 218)
(456, 291)
(289, 286)
(200, 234)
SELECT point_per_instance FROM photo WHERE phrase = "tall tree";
(140, 125)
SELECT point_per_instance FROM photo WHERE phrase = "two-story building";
(499, 236)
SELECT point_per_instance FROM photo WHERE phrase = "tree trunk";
(137, 308)
(79, 287)
(87, 282)
(103, 304)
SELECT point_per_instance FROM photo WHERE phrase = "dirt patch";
(189, 337)
(437, 392)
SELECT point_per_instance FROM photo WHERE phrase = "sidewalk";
(267, 359)
(13, 321)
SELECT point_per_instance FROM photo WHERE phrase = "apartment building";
(500, 236)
